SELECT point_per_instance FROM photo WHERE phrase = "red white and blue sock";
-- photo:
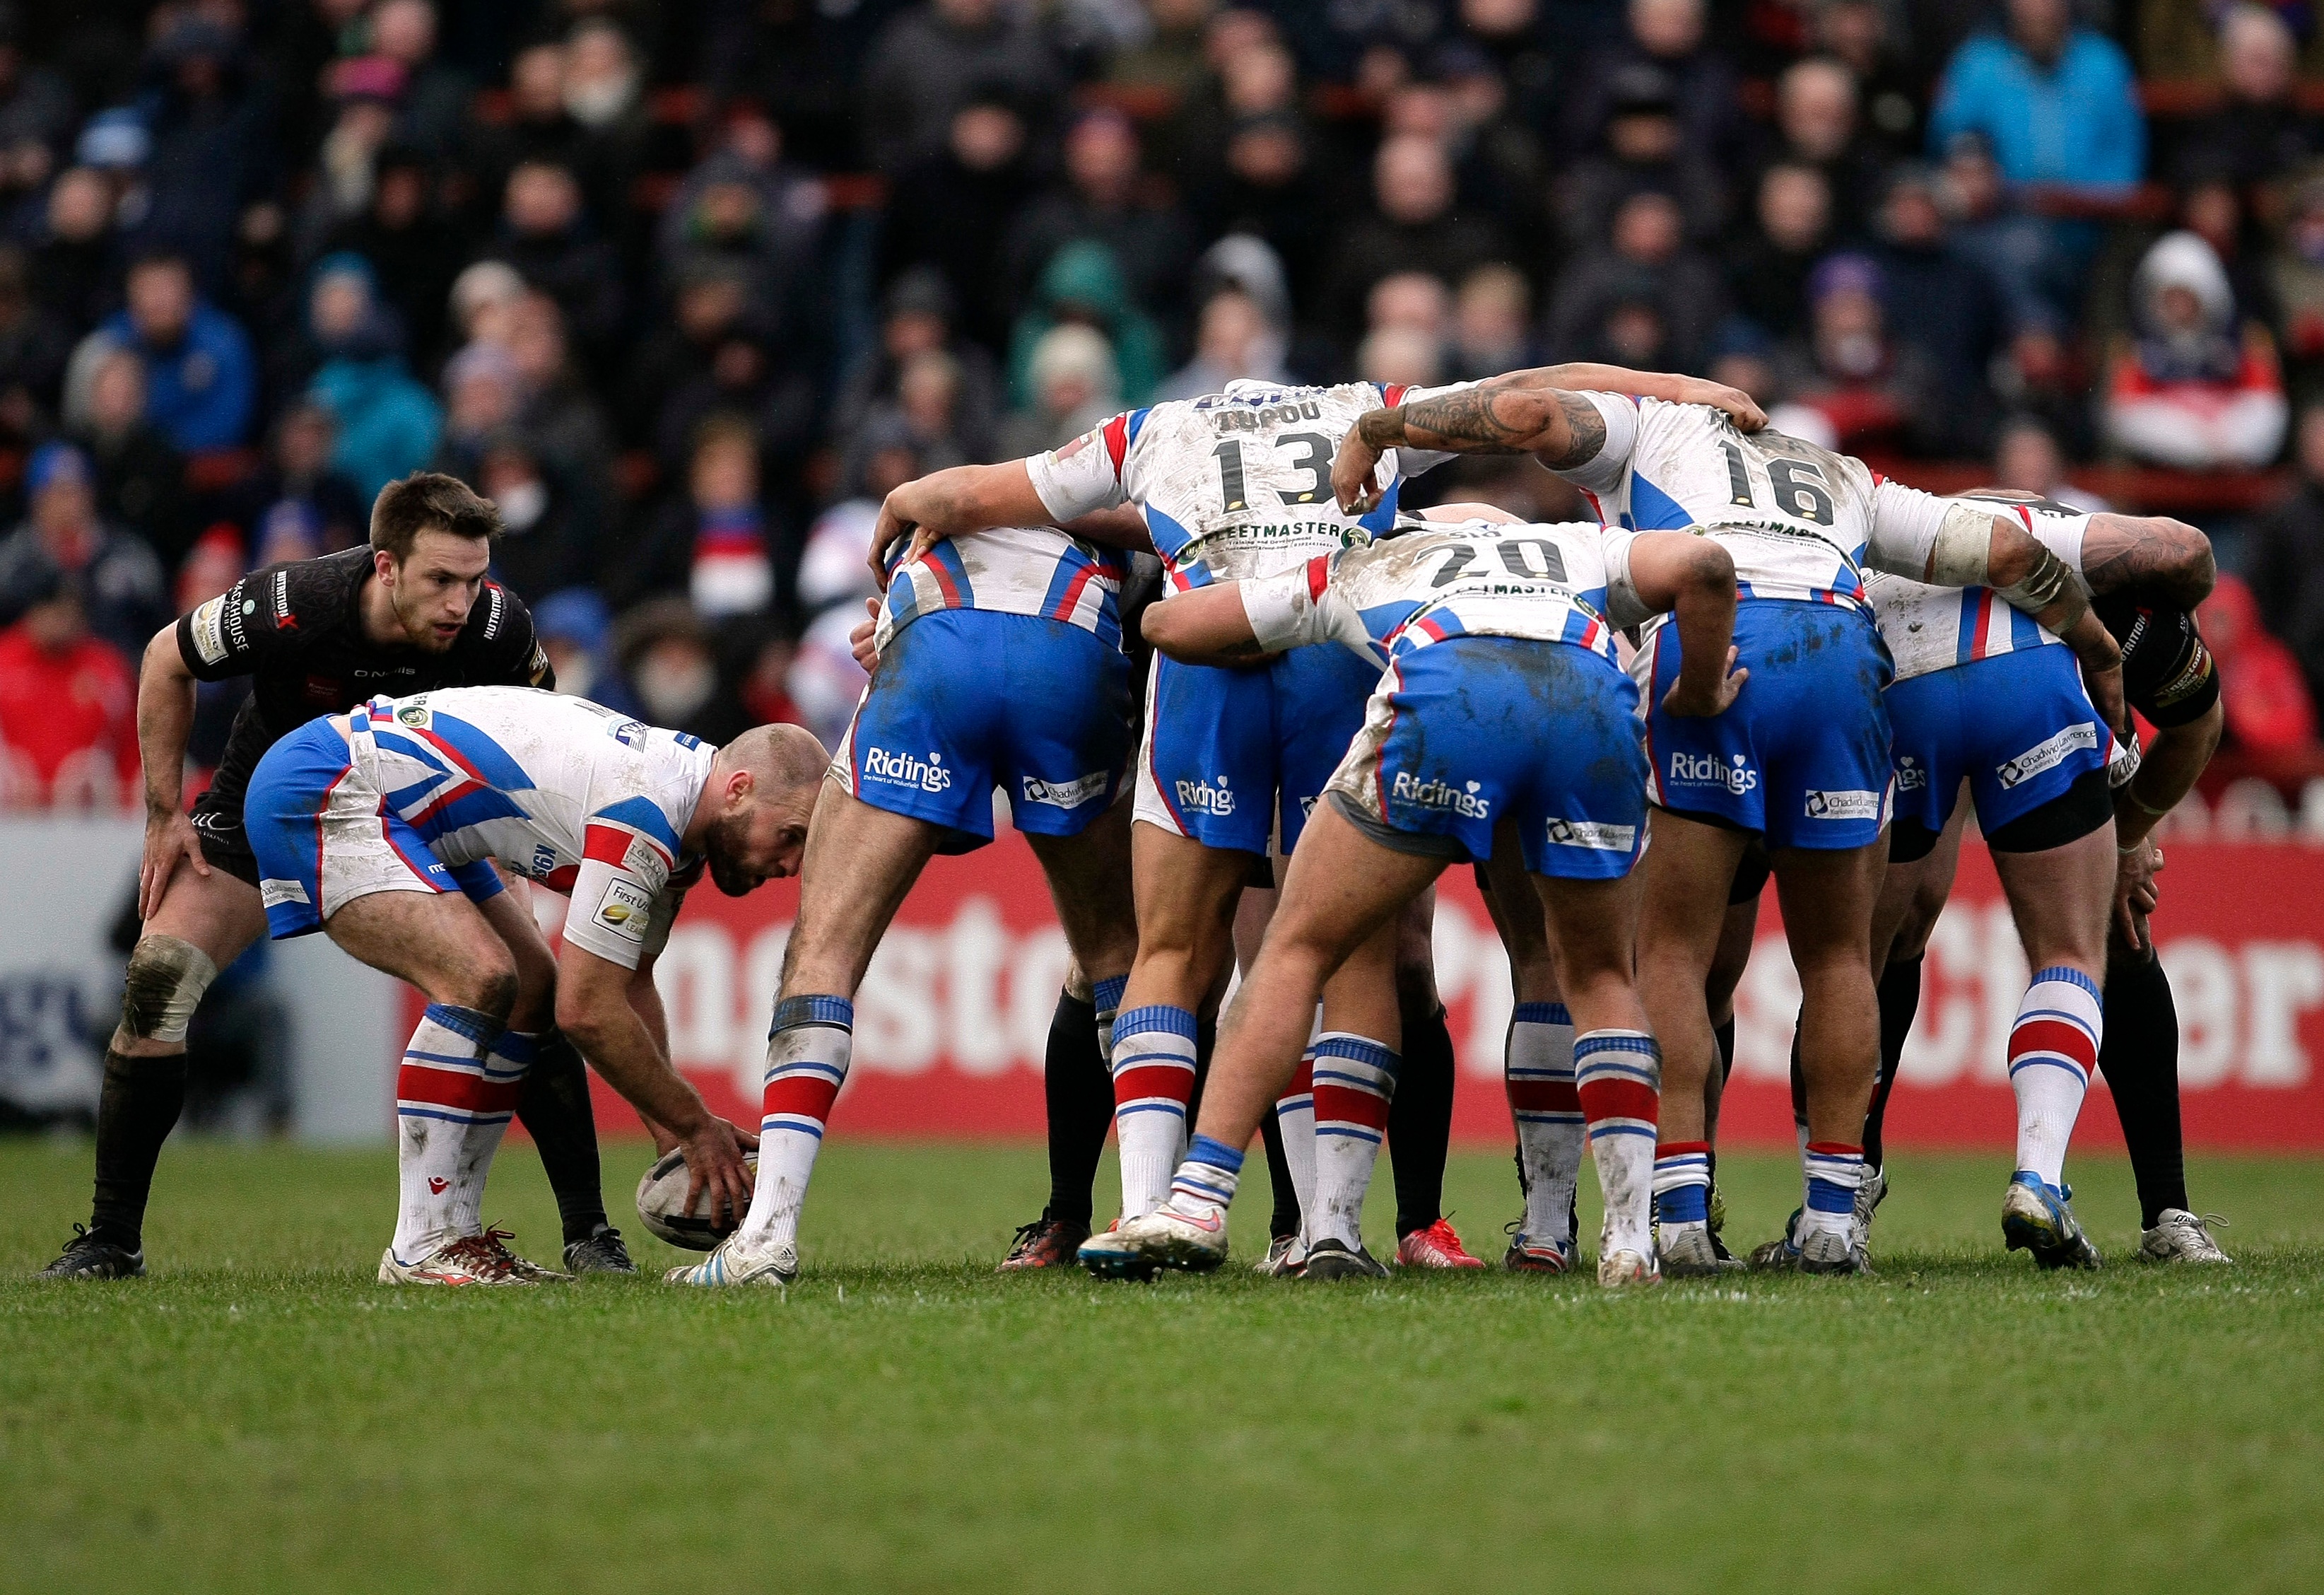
(807, 1053)
(505, 1066)
(1105, 996)
(1205, 1182)
(1295, 1121)
(1617, 1077)
(1355, 1079)
(447, 1101)
(1834, 1169)
(1537, 1072)
(1682, 1184)
(2052, 1048)
(1153, 1080)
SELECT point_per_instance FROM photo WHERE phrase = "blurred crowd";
(685, 285)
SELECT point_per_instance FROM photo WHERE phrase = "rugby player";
(1803, 762)
(999, 665)
(1229, 485)
(411, 611)
(1501, 706)
(381, 827)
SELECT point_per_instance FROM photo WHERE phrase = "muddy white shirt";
(1014, 570)
(1932, 628)
(581, 798)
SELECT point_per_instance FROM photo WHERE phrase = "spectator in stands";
(1169, 58)
(1940, 301)
(481, 396)
(1644, 147)
(1817, 125)
(540, 130)
(2027, 459)
(401, 234)
(1491, 324)
(561, 418)
(2198, 386)
(1083, 285)
(201, 382)
(2285, 562)
(747, 209)
(1871, 389)
(1501, 166)
(140, 480)
(543, 543)
(1400, 357)
(2057, 101)
(2259, 133)
(1861, 36)
(712, 540)
(34, 347)
(1233, 342)
(118, 579)
(1265, 188)
(927, 408)
(545, 237)
(1250, 77)
(436, 93)
(1649, 260)
(669, 666)
(36, 115)
(72, 260)
(1666, 35)
(951, 210)
(214, 150)
(2295, 274)
(386, 425)
(1412, 226)
(1767, 273)
(2182, 39)
(576, 631)
(68, 704)
(1073, 382)
(929, 61)
(364, 92)
(605, 89)
(918, 318)
(1105, 202)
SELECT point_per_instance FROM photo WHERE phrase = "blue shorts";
(2018, 725)
(1802, 755)
(1229, 753)
(1466, 733)
(324, 836)
(968, 700)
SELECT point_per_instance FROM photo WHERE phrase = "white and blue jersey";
(1000, 665)
(1231, 485)
(427, 792)
(1501, 698)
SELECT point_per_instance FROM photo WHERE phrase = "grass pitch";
(259, 1416)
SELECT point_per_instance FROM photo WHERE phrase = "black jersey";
(2167, 673)
(297, 631)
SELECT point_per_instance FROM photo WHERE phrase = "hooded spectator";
(141, 479)
(34, 344)
(1075, 383)
(118, 579)
(951, 210)
(201, 380)
(2196, 386)
(1105, 200)
(387, 424)
(918, 316)
(545, 236)
(931, 59)
(1083, 285)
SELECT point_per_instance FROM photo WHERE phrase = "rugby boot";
(1166, 1238)
(735, 1262)
(469, 1260)
(1527, 1256)
(1286, 1255)
(1044, 1243)
(2037, 1217)
(1331, 1259)
(89, 1255)
(1686, 1251)
(524, 1268)
(1779, 1252)
(1627, 1268)
(2179, 1237)
(1436, 1247)
(602, 1253)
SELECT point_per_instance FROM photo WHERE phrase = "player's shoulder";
(312, 588)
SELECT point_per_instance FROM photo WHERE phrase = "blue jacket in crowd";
(2077, 122)
(199, 393)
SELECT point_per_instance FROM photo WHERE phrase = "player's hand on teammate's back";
(1741, 408)
(861, 642)
(1355, 475)
(1684, 700)
(170, 839)
(2105, 688)
(713, 1158)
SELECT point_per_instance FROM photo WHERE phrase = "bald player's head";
(758, 803)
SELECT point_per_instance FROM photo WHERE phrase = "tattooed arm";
(1575, 375)
(2155, 555)
(1502, 416)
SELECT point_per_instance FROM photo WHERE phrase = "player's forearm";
(1499, 416)
(2152, 554)
(971, 498)
(1704, 615)
(1208, 626)
(645, 1002)
(616, 1039)
(165, 720)
(2173, 763)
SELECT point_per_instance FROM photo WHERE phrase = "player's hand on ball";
(170, 839)
(1684, 699)
(713, 1158)
(1355, 468)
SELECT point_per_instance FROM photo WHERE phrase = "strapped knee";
(162, 987)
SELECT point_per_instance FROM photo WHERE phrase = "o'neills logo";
(1205, 798)
(1689, 769)
(1439, 794)
(902, 769)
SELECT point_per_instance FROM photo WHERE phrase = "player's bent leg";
(1536, 1067)
(1355, 1073)
(1685, 877)
(1342, 889)
(203, 924)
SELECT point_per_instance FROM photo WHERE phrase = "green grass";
(259, 1416)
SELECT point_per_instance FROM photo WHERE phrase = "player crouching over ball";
(1501, 717)
(381, 827)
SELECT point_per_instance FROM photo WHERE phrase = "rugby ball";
(661, 1204)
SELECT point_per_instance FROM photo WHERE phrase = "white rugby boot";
(1688, 1250)
(734, 1261)
(1627, 1268)
(524, 1268)
(469, 1260)
(1170, 1236)
(2179, 1237)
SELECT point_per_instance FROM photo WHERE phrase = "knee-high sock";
(1617, 1077)
(1153, 1080)
(1355, 1077)
(555, 1111)
(2052, 1048)
(807, 1053)
(2140, 1055)
(1682, 1183)
(1295, 1143)
(1420, 1121)
(513, 1056)
(1079, 1100)
(449, 1104)
(1900, 1001)
(1538, 1071)
(137, 1109)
